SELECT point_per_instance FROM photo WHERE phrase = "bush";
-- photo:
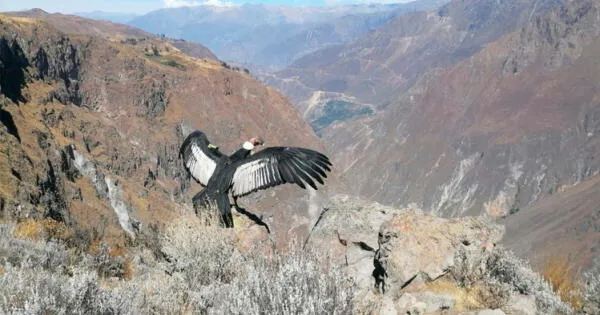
(292, 284)
(189, 268)
(507, 268)
(502, 272)
(563, 279)
(223, 280)
(591, 289)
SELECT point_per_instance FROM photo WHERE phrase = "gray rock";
(349, 231)
(520, 304)
(410, 304)
(421, 248)
(435, 302)
(153, 100)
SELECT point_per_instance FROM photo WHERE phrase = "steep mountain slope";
(565, 224)
(271, 36)
(369, 73)
(91, 127)
(496, 132)
(511, 129)
(76, 25)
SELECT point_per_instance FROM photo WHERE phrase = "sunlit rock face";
(93, 115)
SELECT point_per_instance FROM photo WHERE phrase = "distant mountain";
(481, 107)
(109, 16)
(271, 36)
(371, 71)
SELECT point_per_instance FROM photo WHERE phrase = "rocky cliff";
(486, 107)
(91, 126)
(372, 71)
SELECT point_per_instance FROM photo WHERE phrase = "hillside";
(371, 72)
(497, 132)
(76, 25)
(477, 110)
(91, 127)
(270, 36)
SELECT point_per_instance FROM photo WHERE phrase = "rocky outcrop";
(153, 100)
(401, 247)
(12, 69)
(404, 261)
(417, 248)
(53, 58)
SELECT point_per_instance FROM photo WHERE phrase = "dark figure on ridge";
(243, 173)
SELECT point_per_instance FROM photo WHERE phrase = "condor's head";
(252, 143)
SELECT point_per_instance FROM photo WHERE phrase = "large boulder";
(396, 247)
(417, 248)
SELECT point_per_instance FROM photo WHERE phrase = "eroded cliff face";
(370, 73)
(91, 128)
(483, 134)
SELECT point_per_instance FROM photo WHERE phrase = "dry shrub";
(466, 298)
(108, 265)
(29, 229)
(591, 289)
(190, 268)
(42, 229)
(480, 295)
(563, 278)
(128, 269)
(492, 294)
(500, 272)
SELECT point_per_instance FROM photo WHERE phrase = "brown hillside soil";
(120, 104)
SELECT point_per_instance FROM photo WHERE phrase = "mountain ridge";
(270, 36)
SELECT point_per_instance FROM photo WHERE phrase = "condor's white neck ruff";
(248, 145)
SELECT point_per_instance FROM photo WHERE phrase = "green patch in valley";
(338, 110)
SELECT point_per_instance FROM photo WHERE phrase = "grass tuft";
(563, 279)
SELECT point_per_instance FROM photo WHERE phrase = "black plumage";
(242, 173)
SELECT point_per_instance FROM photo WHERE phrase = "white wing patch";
(201, 166)
(253, 175)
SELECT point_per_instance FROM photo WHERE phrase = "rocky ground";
(361, 257)
(404, 261)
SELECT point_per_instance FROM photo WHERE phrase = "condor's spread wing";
(279, 165)
(200, 157)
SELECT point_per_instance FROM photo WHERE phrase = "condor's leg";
(257, 219)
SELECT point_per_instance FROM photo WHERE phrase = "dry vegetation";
(591, 289)
(183, 267)
(563, 279)
(490, 280)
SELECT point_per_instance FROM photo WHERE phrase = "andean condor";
(243, 173)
